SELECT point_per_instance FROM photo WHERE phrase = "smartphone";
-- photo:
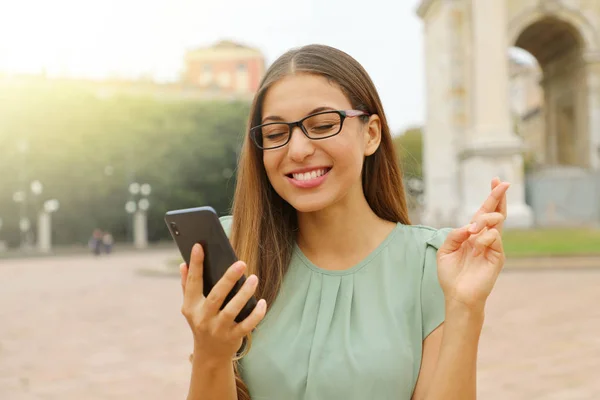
(201, 225)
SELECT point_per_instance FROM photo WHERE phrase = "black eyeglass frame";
(291, 125)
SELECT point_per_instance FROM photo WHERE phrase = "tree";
(86, 149)
(409, 150)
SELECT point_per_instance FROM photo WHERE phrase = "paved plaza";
(90, 328)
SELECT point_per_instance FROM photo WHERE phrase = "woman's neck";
(343, 234)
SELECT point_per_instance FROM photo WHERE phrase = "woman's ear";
(372, 134)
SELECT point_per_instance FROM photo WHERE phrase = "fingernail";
(261, 304)
(473, 227)
(196, 249)
(239, 267)
(253, 280)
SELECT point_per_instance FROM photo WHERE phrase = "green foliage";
(409, 150)
(86, 149)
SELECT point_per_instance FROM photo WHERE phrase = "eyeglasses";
(318, 126)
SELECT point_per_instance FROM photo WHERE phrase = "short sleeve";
(226, 222)
(432, 297)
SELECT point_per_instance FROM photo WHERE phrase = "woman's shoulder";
(425, 235)
(416, 234)
(226, 222)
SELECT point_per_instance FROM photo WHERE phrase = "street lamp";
(24, 224)
(144, 204)
(134, 188)
(145, 189)
(44, 226)
(51, 206)
(19, 197)
(44, 238)
(137, 206)
(130, 207)
(36, 187)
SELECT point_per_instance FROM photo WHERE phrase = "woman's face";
(312, 175)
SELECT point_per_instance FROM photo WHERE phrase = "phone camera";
(175, 229)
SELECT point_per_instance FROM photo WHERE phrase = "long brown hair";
(264, 225)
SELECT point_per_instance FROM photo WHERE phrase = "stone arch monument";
(469, 132)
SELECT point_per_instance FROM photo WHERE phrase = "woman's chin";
(309, 205)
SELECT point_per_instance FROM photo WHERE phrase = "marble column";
(444, 58)
(491, 148)
(593, 107)
(550, 111)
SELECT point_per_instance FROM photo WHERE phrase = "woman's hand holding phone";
(216, 334)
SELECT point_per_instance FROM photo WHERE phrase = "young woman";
(362, 305)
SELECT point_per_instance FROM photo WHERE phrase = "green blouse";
(351, 334)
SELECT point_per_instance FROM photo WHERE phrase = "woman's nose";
(299, 146)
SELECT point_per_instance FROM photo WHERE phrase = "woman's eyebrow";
(277, 118)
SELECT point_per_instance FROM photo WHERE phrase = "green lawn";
(552, 242)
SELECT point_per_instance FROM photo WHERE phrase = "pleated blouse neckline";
(355, 268)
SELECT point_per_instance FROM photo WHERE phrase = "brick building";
(225, 67)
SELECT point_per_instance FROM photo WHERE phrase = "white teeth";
(309, 175)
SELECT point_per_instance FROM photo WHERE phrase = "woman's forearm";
(456, 371)
(212, 379)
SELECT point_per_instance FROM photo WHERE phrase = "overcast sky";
(95, 38)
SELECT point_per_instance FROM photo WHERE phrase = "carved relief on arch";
(550, 6)
(555, 9)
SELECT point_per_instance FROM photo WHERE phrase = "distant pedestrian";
(95, 242)
(107, 242)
